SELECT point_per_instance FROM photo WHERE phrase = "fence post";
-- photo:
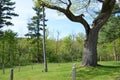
(11, 74)
(74, 72)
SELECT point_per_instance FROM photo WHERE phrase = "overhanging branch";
(69, 14)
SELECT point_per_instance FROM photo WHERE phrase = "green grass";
(109, 70)
(56, 71)
(62, 71)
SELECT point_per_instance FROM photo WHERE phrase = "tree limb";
(105, 13)
(63, 2)
(69, 14)
(100, 0)
(69, 5)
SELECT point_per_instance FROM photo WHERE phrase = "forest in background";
(23, 51)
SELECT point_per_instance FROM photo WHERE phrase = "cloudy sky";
(55, 23)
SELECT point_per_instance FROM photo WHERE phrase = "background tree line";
(22, 51)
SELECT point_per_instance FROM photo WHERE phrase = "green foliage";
(23, 51)
(111, 30)
(50, 50)
(67, 45)
(6, 12)
(116, 9)
(109, 34)
(34, 28)
(8, 48)
(71, 48)
(106, 50)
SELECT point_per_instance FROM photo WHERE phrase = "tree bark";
(114, 49)
(3, 57)
(90, 46)
(44, 42)
(90, 49)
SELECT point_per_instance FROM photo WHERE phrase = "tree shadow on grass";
(107, 66)
(101, 72)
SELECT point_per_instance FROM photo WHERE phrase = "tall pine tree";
(34, 30)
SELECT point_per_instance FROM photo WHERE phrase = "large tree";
(90, 44)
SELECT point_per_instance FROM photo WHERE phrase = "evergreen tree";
(6, 12)
(34, 29)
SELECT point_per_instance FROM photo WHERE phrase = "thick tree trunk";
(90, 49)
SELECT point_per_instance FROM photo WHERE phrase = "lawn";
(110, 70)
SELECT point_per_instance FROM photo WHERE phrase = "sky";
(55, 23)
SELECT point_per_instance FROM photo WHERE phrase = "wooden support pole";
(44, 42)
(74, 72)
(11, 74)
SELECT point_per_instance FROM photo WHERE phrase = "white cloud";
(25, 11)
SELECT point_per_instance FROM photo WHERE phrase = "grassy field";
(62, 71)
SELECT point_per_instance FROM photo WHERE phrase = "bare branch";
(86, 5)
(100, 0)
(69, 5)
(63, 2)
